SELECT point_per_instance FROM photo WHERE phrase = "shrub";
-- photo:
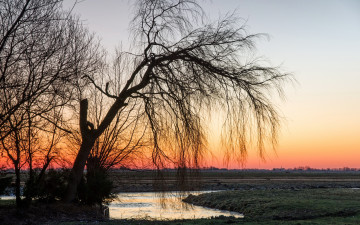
(49, 188)
(95, 187)
(4, 183)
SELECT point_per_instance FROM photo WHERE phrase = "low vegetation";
(306, 206)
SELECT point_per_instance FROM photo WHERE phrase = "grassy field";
(125, 180)
(226, 221)
(303, 206)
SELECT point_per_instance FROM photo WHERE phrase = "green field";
(125, 180)
(302, 206)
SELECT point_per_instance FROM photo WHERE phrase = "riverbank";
(289, 206)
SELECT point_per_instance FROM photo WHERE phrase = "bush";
(4, 183)
(49, 188)
(95, 187)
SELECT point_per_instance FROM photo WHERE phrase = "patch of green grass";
(7, 202)
(212, 221)
(317, 205)
(225, 221)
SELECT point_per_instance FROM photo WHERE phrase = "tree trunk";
(89, 136)
(88, 140)
(17, 186)
(78, 169)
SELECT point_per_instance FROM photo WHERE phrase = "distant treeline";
(212, 169)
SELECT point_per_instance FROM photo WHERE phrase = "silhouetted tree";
(179, 69)
(31, 146)
(44, 51)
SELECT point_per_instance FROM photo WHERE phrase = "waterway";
(158, 206)
(164, 206)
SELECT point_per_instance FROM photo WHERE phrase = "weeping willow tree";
(180, 68)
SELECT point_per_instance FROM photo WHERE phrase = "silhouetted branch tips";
(153, 101)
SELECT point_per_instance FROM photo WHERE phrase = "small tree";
(179, 69)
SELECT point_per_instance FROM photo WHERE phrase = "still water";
(152, 205)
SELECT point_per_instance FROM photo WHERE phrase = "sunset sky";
(317, 41)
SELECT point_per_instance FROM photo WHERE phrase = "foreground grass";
(305, 206)
(225, 221)
(7, 203)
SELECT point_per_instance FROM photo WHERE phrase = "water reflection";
(151, 205)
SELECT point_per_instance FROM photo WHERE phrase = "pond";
(165, 206)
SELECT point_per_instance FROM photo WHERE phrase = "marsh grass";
(286, 205)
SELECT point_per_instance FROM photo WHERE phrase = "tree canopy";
(179, 68)
(156, 96)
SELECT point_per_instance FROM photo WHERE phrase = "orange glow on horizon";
(317, 145)
(289, 154)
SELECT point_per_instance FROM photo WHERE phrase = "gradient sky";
(318, 41)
